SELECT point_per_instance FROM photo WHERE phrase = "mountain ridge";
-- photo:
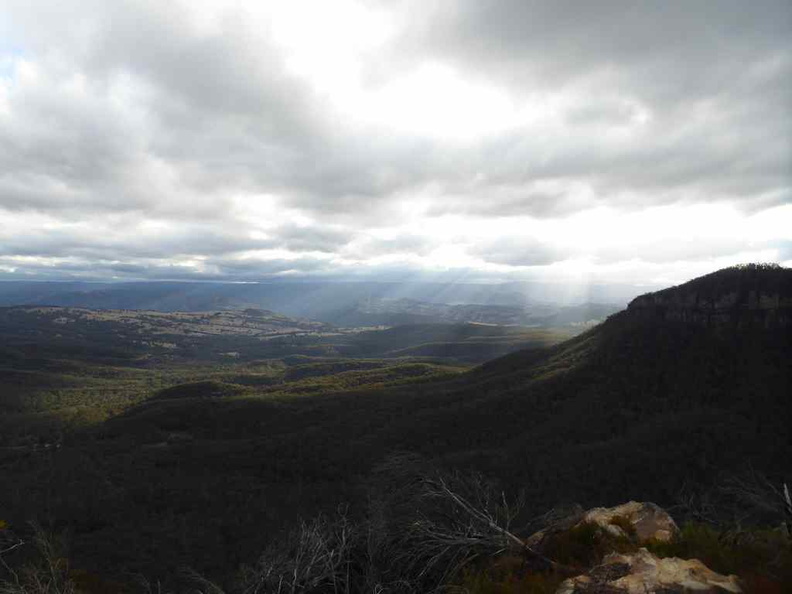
(748, 295)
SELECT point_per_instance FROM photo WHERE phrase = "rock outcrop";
(643, 521)
(638, 522)
(644, 573)
(612, 543)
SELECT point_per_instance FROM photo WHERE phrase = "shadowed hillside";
(641, 407)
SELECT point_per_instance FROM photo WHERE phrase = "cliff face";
(755, 296)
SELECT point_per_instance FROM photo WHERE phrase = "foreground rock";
(646, 521)
(638, 522)
(643, 573)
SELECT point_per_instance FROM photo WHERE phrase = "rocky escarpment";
(747, 296)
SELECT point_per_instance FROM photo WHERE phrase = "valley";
(64, 367)
(140, 434)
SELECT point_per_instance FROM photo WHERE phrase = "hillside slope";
(641, 407)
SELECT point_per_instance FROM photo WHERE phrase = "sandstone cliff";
(747, 296)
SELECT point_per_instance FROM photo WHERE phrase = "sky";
(643, 142)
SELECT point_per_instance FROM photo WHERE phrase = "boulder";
(644, 573)
(646, 521)
(639, 522)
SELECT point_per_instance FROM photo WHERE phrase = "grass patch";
(507, 575)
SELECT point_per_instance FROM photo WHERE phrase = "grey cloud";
(662, 252)
(518, 251)
(250, 269)
(108, 243)
(562, 39)
(513, 200)
(222, 113)
(213, 269)
(310, 239)
(134, 111)
(528, 251)
(714, 79)
(609, 112)
(204, 106)
(404, 243)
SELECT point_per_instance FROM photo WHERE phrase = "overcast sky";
(587, 141)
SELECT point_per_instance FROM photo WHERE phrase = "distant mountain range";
(338, 303)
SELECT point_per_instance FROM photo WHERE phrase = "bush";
(747, 553)
(44, 568)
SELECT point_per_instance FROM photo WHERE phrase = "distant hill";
(411, 311)
(473, 343)
(244, 334)
(339, 303)
(66, 331)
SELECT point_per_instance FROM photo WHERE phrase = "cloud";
(106, 243)
(402, 243)
(206, 138)
(519, 251)
(310, 238)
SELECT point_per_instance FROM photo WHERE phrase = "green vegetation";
(420, 530)
(754, 554)
(585, 545)
(507, 576)
(155, 458)
(66, 369)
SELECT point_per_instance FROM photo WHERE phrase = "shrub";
(748, 553)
